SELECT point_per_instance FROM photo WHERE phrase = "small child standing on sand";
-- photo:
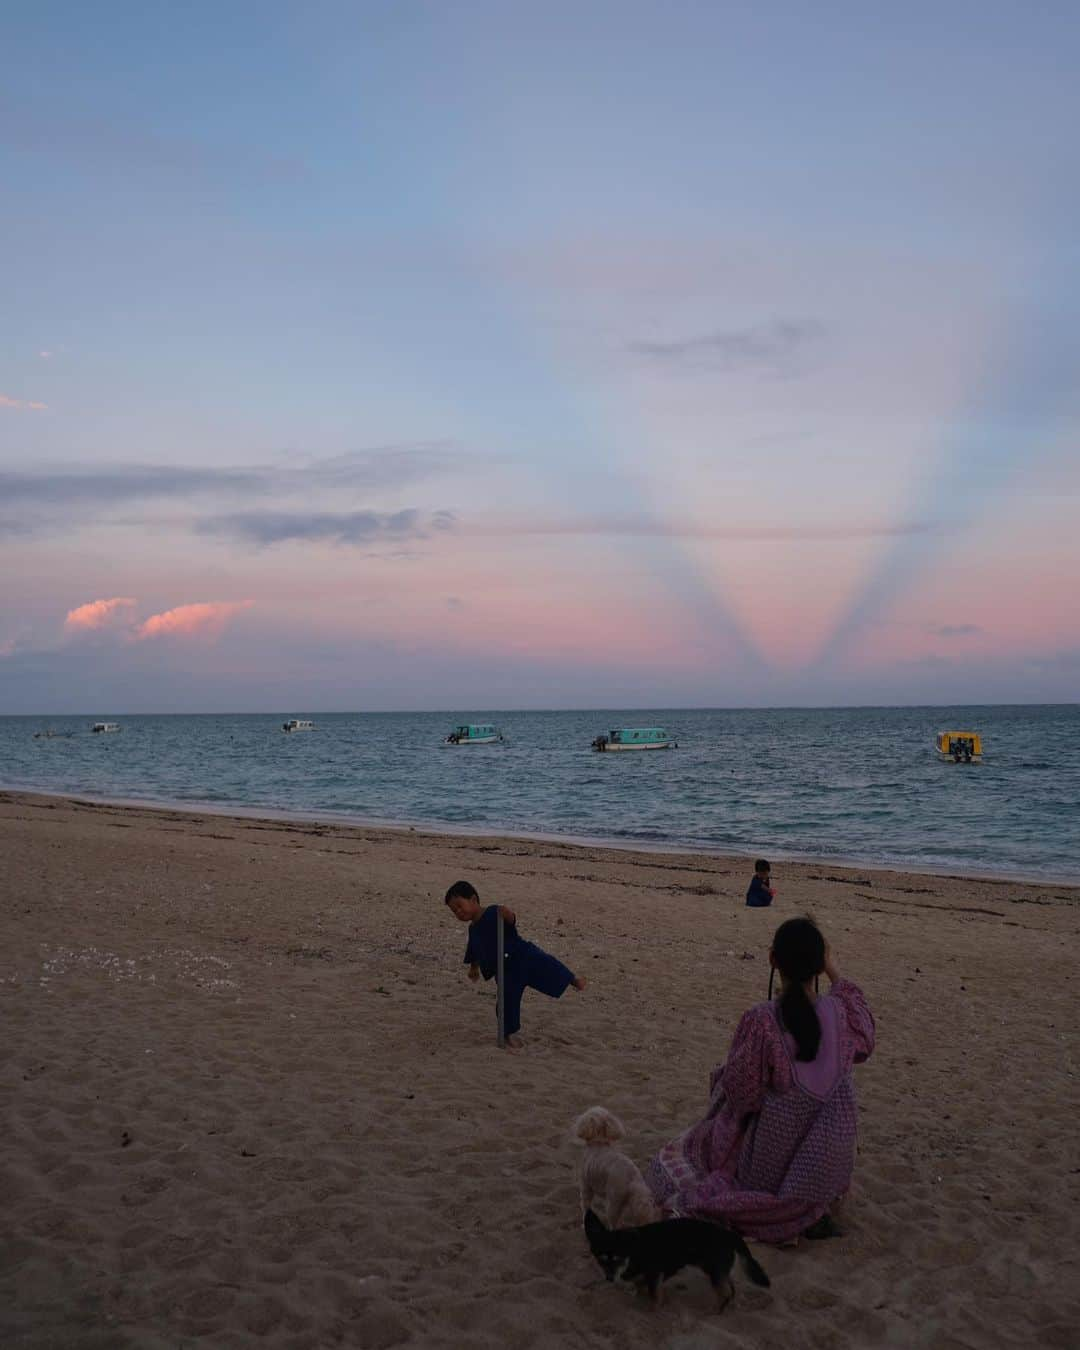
(526, 966)
(760, 893)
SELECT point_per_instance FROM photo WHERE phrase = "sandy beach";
(250, 1097)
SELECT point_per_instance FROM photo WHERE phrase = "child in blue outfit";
(760, 893)
(526, 965)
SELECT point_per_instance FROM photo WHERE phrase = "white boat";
(100, 727)
(297, 724)
(635, 738)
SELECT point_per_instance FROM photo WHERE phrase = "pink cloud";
(200, 620)
(97, 613)
(6, 402)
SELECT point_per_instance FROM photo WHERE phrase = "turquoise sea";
(861, 784)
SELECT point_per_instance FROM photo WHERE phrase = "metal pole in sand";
(500, 970)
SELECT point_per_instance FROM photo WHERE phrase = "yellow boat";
(959, 747)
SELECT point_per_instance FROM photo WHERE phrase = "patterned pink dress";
(777, 1145)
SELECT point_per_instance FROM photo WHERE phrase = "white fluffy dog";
(609, 1175)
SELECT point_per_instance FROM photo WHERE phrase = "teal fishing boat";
(635, 738)
(474, 733)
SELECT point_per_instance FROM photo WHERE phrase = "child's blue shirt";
(482, 949)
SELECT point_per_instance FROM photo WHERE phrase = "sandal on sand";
(826, 1227)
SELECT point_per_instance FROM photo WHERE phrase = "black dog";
(656, 1251)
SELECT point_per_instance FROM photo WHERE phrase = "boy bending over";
(526, 966)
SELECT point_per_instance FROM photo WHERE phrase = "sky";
(483, 355)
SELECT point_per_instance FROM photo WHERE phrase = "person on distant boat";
(761, 892)
(776, 1148)
(526, 965)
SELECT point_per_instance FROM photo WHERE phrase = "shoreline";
(438, 829)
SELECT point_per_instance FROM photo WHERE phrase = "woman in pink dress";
(777, 1145)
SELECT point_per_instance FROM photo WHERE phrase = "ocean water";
(860, 785)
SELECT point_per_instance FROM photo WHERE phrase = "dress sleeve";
(740, 1083)
(860, 1020)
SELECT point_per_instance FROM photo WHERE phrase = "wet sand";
(250, 1097)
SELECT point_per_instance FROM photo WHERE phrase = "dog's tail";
(597, 1126)
(753, 1270)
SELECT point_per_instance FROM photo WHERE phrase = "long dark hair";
(799, 952)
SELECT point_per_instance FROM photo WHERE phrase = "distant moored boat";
(635, 738)
(959, 747)
(297, 724)
(100, 727)
(474, 733)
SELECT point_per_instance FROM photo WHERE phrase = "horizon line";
(607, 708)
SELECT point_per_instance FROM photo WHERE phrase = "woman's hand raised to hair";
(831, 969)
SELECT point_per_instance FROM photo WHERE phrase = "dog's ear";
(592, 1223)
(611, 1127)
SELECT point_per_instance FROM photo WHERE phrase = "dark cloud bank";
(381, 467)
(771, 347)
(344, 527)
